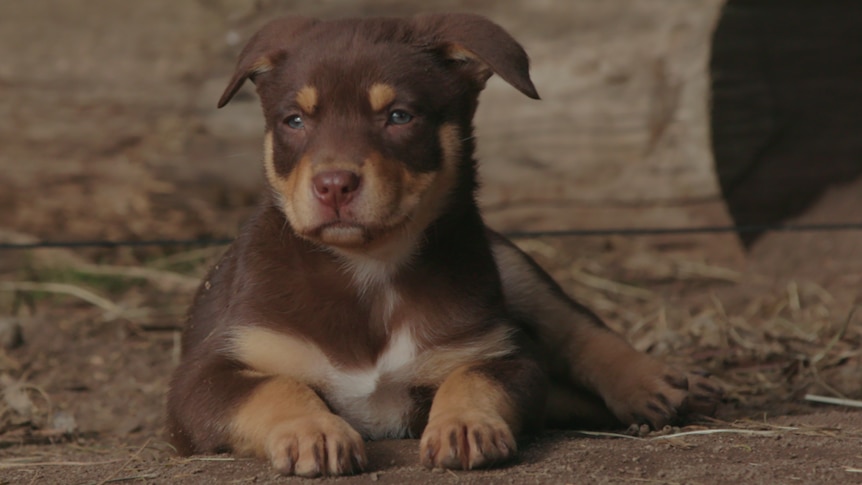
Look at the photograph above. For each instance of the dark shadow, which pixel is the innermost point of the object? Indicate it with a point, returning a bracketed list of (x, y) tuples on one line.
[(786, 105)]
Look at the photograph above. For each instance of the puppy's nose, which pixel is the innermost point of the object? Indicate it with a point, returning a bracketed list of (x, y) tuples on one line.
[(335, 189)]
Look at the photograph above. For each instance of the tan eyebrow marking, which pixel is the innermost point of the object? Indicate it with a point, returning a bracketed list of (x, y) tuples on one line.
[(380, 95), (306, 98), (262, 65)]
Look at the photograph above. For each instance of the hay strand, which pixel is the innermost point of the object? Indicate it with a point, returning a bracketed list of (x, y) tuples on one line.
[(111, 309), (853, 403)]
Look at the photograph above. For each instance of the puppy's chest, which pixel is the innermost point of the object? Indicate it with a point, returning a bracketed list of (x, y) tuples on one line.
[(377, 396), (376, 399)]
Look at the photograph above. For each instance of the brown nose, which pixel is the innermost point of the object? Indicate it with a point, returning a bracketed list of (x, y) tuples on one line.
[(335, 189)]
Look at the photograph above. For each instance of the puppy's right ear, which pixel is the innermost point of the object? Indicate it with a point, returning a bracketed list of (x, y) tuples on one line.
[(263, 51)]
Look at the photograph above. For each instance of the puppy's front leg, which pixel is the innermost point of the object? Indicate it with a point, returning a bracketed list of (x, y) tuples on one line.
[(287, 422), (479, 411)]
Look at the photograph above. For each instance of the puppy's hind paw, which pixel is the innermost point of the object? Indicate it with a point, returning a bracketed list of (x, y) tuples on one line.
[(704, 395), (657, 395)]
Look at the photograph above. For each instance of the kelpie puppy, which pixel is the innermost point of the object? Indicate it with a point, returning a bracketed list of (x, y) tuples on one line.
[(366, 299)]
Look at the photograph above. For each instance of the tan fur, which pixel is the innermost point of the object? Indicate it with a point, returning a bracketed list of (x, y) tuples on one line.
[(466, 390), (394, 201), (428, 199), (262, 65), (273, 353), (374, 397), (460, 53), (439, 363), (472, 423), (307, 100), (380, 96), (278, 354), (434, 197), (286, 422), (269, 160), (273, 402)]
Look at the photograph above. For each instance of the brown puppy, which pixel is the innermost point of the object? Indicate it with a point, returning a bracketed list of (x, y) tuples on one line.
[(366, 298)]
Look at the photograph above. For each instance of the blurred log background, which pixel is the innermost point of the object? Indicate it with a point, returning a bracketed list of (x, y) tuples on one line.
[(108, 124)]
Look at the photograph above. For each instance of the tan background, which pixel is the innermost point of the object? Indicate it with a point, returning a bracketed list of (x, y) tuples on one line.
[(109, 129)]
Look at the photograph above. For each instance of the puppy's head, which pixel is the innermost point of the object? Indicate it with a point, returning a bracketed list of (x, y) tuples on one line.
[(368, 122)]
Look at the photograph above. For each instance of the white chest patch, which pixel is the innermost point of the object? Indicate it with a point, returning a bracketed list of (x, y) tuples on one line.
[(376, 401)]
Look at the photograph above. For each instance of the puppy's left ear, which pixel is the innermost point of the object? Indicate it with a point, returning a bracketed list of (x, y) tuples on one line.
[(483, 46), (263, 50)]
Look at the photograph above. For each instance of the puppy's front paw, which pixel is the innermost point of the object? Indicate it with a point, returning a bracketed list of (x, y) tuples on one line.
[(314, 445), (657, 395), (466, 441)]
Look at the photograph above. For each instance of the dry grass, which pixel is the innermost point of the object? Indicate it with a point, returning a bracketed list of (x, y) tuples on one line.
[(769, 343)]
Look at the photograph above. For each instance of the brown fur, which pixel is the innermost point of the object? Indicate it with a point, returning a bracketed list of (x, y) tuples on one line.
[(390, 310)]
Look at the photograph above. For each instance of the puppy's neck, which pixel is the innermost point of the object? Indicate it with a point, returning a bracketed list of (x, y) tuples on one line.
[(376, 269)]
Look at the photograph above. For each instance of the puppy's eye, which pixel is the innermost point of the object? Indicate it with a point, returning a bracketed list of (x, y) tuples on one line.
[(294, 122), (400, 117)]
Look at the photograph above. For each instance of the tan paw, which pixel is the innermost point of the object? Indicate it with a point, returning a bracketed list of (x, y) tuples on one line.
[(466, 441), (657, 395), (314, 445)]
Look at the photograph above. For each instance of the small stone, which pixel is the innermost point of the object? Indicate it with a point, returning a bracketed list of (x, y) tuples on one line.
[(437, 470), (65, 422), (374, 477), (644, 431)]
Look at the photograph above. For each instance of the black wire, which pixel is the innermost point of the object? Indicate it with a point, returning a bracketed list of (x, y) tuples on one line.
[(621, 231), (658, 231), (115, 244)]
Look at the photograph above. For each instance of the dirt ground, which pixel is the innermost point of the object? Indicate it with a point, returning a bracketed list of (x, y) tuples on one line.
[(93, 148)]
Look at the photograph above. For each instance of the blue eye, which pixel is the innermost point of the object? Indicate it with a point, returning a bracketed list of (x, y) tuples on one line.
[(400, 117), (295, 122)]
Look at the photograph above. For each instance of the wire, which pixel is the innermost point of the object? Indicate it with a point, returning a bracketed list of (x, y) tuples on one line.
[(114, 244), (658, 231), (621, 231)]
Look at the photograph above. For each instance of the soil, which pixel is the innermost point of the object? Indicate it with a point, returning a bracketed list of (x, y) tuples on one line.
[(89, 337)]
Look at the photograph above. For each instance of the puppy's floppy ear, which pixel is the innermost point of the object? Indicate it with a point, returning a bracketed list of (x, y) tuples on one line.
[(263, 51), (483, 46)]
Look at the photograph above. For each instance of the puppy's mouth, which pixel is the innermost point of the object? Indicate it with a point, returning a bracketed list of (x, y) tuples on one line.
[(351, 235), (341, 233)]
